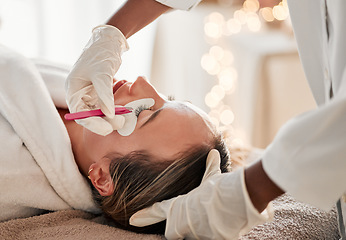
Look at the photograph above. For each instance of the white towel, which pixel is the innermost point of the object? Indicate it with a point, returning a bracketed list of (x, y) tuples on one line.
[(37, 167)]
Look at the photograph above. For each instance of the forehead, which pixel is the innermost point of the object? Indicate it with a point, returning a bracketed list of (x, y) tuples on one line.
[(178, 128), (203, 115)]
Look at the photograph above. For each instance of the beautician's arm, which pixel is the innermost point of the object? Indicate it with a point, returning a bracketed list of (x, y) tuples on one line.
[(259, 186), (135, 15)]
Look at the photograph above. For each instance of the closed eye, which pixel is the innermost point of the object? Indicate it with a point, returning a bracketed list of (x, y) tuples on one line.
[(152, 117)]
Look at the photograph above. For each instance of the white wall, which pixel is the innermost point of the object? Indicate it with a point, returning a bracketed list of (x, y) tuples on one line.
[(57, 30)]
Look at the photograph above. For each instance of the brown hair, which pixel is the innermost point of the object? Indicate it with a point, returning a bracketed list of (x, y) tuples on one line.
[(140, 181)]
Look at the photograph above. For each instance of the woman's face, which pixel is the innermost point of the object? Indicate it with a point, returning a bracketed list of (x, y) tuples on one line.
[(165, 130)]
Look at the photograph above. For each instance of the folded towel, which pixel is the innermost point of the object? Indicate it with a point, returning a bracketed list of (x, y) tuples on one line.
[(296, 220), (66, 224), (292, 220)]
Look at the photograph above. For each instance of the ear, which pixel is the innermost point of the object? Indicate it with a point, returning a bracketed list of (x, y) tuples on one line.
[(101, 178)]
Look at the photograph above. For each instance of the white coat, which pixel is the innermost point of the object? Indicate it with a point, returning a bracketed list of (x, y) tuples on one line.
[(308, 156)]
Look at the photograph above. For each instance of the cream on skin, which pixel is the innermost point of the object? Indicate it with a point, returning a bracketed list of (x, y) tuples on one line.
[(164, 130)]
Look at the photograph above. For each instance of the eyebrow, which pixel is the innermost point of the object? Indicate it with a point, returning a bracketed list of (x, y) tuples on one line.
[(152, 117)]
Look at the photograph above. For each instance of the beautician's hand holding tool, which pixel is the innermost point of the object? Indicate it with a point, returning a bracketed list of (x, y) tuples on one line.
[(90, 82), (219, 208)]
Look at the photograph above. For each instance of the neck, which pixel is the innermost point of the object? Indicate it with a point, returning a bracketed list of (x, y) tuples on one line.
[(75, 132)]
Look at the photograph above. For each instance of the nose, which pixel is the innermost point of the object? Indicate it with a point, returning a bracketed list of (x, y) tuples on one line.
[(140, 86)]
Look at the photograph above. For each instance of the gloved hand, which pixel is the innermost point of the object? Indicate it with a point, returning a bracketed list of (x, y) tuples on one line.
[(90, 83), (219, 208)]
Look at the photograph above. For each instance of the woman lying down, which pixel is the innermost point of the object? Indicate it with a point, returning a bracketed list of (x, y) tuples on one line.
[(164, 156), (49, 163)]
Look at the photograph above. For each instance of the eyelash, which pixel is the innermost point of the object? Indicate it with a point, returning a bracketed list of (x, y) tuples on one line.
[(140, 108), (171, 98)]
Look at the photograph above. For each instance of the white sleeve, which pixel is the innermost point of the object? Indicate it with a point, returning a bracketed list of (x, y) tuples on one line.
[(308, 156), (180, 4)]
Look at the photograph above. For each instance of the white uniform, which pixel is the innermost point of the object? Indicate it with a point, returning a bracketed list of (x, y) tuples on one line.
[(308, 156)]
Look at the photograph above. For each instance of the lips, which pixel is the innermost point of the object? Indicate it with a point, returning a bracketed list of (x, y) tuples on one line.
[(118, 85)]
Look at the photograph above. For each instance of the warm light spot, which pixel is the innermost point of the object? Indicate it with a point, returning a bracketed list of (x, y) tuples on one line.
[(211, 100), (254, 23), (267, 14), (218, 91), (227, 58), (215, 70), (280, 13), (216, 17), (217, 52), (240, 16), (227, 78), (284, 4), (213, 30), (233, 26), (227, 117), (210, 64), (251, 5)]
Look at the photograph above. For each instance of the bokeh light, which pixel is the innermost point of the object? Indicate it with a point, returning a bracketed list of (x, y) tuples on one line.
[(233, 26), (227, 77), (279, 12), (211, 100), (217, 52), (253, 22), (219, 91), (227, 117), (212, 30), (267, 14), (251, 5), (216, 17), (227, 58), (210, 64), (240, 16), (218, 61)]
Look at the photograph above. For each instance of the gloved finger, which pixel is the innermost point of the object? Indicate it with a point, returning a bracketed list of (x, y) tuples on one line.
[(96, 125), (82, 100), (104, 90), (212, 164), (151, 215), (117, 122)]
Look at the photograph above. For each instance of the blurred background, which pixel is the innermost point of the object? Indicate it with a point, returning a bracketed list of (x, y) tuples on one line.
[(235, 59)]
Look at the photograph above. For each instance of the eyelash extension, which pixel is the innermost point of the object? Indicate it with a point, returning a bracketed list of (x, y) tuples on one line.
[(171, 98), (140, 108)]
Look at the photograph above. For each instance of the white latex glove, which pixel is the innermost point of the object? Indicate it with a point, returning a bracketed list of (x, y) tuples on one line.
[(90, 83), (219, 208)]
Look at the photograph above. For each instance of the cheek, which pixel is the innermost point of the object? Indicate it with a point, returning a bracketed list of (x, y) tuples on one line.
[(96, 146)]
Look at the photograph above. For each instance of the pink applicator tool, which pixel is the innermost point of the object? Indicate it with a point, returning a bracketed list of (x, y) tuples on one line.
[(95, 113)]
